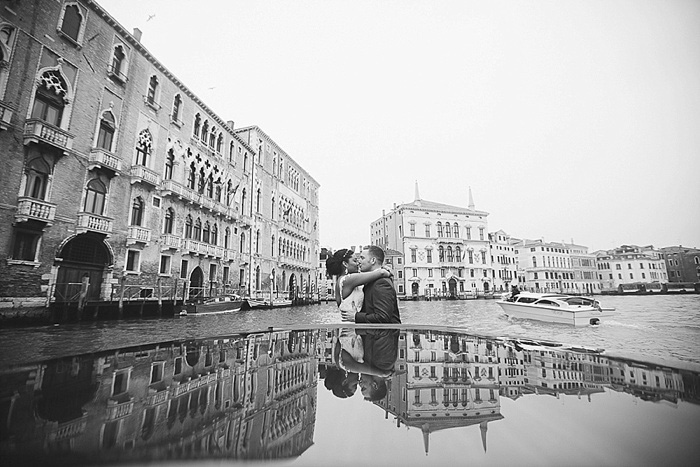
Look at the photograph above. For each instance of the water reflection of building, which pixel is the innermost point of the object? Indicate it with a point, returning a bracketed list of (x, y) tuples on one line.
[(247, 398), (444, 380)]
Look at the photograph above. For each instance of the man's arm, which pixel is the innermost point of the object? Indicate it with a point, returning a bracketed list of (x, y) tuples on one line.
[(383, 303)]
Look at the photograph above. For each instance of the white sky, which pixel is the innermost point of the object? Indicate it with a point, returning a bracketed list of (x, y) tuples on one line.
[(569, 119)]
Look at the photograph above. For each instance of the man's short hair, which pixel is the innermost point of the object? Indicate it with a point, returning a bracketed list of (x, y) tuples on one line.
[(376, 252)]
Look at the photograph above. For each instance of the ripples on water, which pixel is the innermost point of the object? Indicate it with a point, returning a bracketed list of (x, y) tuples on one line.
[(660, 327)]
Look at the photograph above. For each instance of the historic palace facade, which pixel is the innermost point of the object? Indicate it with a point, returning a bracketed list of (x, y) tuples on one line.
[(116, 175), (445, 248)]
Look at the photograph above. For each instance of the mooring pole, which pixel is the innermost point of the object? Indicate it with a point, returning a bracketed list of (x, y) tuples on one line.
[(122, 281)]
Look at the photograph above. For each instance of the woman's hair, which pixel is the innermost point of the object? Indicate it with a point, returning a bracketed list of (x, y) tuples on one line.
[(334, 264), (335, 382)]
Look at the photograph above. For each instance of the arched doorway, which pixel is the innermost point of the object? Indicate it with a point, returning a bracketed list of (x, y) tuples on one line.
[(292, 286), (414, 288), (487, 287), (453, 287), (83, 256), (196, 284)]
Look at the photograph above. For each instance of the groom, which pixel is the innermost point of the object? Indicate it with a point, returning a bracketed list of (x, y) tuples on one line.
[(380, 303)]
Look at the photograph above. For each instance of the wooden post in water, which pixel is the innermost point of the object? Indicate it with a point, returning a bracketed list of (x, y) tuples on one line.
[(82, 298), (122, 281), (160, 298)]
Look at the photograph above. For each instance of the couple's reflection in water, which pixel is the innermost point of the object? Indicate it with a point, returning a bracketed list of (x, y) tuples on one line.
[(255, 396), (364, 358)]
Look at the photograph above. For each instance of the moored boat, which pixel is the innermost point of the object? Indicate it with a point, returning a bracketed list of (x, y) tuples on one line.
[(555, 308), (226, 304)]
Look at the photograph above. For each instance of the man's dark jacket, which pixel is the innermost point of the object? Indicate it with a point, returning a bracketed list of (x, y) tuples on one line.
[(380, 304)]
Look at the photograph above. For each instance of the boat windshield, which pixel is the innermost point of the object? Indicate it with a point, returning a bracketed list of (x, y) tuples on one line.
[(546, 303)]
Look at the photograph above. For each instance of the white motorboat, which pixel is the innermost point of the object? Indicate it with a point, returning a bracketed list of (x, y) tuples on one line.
[(555, 308)]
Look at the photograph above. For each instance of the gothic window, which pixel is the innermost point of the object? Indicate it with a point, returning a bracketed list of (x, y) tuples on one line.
[(188, 227), (95, 197), (202, 181), (227, 238), (219, 143), (441, 254), (456, 230), (6, 38), (257, 200), (448, 229), (217, 191), (37, 179), (205, 131), (177, 105), (197, 123), (72, 21), (197, 232), (243, 195), (272, 209), (272, 246), (169, 221), (105, 134), (137, 211), (229, 192), (210, 186), (152, 90), (169, 164), (214, 235), (212, 138), (192, 177), (206, 232), (143, 147), (118, 67), (257, 241), (439, 229), (49, 100), (242, 245)]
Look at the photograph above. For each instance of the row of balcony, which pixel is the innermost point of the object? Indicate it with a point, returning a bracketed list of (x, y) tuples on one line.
[(293, 230)]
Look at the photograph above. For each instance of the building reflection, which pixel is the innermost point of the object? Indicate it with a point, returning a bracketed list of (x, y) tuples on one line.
[(254, 396)]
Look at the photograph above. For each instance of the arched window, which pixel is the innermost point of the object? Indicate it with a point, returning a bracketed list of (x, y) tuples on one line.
[(177, 103), (197, 233), (152, 94), (241, 248), (137, 211), (257, 278), (448, 229), (188, 226), (206, 232), (257, 200), (210, 186), (197, 123), (230, 151), (119, 64), (212, 138), (202, 181), (191, 177), (458, 254), (243, 195), (227, 238), (205, 131), (169, 164), (37, 179), (272, 208), (229, 192), (257, 241), (439, 229), (441, 254), (449, 253), (95, 197), (143, 147), (272, 246), (214, 236), (72, 22), (217, 190), (456, 230), (220, 143), (105, 134), (49, 100), (169, 220)]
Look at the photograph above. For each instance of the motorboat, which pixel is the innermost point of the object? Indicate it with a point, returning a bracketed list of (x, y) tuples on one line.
[(554, 308), (224, 304)]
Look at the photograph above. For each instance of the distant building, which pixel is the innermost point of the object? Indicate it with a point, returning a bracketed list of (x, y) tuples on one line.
[(584, 267), (555, 267), (682, 263), (503, 259), (631, 268), (445, 248)]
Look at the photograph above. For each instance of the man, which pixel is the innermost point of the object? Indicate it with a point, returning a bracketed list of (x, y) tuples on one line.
[(380, 302)]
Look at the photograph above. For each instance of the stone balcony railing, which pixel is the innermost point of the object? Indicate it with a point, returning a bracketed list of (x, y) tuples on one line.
[(117, 410), (170, 241), (40, 132), (35, 209), (293, 230), (138, 234), (293, 262), (215, 251), (71, 429), (170, 187), (102, 158), (193, 246), (229, 255), (139, 173), (88, 222), (5, 116), (156, 397)]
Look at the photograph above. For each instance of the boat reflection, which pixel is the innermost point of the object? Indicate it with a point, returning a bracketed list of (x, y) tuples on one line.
[(254, 396)]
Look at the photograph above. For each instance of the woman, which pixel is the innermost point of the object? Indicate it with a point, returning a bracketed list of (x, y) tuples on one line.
[(348, 281)]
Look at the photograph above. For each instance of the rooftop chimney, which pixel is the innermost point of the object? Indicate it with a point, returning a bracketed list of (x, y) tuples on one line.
[(230, 123), (137, 34)]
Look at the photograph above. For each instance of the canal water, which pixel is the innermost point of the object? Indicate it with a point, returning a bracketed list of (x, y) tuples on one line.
[(659, 328)]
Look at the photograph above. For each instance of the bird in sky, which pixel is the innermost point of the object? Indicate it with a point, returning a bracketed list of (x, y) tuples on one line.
[(150, 17)]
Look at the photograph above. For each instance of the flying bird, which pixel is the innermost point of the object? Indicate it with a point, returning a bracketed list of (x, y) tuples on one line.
[(150, 17)]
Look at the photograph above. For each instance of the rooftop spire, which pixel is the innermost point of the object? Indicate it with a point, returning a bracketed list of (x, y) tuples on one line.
[(417, 194), (426, 436), (483, 426), (471, 199)]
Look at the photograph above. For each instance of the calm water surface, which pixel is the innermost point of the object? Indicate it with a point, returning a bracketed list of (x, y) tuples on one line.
[(648, 327)]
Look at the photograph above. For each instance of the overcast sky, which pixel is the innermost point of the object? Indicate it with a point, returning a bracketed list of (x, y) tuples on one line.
[(569, 119)]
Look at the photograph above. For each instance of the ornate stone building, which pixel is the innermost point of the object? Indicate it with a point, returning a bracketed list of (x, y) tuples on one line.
[(632, 268), (445, 248), (118, 176)]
